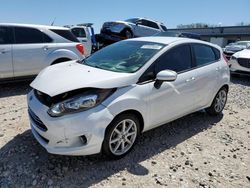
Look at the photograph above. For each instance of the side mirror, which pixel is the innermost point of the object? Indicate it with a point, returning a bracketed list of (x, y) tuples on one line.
[(165, 76), (139, 22)]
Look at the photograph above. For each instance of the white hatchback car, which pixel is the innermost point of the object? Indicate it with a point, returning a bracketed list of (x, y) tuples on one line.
[(26, 49), (104, 102)]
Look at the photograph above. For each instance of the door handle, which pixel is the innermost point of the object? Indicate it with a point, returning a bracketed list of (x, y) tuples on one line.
[(190, 79), (3, 51), (45, 48)]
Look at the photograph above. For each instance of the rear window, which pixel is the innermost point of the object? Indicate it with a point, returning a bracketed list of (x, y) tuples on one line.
[(65, 34), (79, 32)]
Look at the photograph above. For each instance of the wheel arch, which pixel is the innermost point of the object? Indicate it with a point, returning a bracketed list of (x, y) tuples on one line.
[(132, 112)]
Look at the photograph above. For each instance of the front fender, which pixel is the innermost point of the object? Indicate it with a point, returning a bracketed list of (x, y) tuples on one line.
[(128, 98), (61, 53)]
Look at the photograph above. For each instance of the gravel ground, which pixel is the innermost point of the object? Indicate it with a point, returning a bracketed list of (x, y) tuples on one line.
[(195, 151)]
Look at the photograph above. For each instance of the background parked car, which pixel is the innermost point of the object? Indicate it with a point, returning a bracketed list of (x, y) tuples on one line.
[(178, 34), (134, 27), (27, 49), (85, 34), (240, 62), (235, 47)]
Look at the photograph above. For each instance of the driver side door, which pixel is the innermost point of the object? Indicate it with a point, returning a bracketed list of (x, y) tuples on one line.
[(172, 99)]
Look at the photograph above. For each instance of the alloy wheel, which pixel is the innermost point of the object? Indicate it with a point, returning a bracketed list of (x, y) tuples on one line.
[(123, 137)]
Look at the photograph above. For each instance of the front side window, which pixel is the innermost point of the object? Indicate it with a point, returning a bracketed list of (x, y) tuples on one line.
[(6, 35), (203, 54), (177, 59), (79, 32), (25, 35), (132, 20), (125, 56)]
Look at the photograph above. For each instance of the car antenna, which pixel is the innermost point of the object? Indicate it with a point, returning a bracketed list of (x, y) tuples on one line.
[(53, 21)]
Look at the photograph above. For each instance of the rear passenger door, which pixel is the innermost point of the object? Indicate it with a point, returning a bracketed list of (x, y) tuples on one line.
[(30, 51), (206, 72), (6, 40)]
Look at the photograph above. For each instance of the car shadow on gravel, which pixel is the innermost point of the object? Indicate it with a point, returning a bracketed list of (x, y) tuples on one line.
[(240, 79), (14, 89), (24, 162)]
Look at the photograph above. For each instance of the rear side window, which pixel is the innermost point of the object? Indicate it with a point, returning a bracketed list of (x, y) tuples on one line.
[(6, 35), (79, 32), (65, 34), (204, 54), (177, 59)]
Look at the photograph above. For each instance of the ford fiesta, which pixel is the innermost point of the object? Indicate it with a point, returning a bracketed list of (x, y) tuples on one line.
[(103, 103)]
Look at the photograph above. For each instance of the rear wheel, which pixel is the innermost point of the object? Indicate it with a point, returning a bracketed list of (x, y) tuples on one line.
[(219, 102), (60, 60), (121, 136), (128, 34)]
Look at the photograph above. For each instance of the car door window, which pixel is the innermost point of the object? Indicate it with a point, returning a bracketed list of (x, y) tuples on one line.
[(144, 22), (152, 25), (204, 54), (25, 35), (6, 35), (178, 59)]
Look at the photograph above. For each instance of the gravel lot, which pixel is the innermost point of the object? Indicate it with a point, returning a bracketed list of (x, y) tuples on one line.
[(195, 151)]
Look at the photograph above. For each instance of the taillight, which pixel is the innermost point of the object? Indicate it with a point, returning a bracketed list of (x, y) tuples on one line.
[(80, 48), (225, 58)]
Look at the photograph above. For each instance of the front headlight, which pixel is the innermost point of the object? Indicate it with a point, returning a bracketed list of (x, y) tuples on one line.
[(233, 58), (78, 103)]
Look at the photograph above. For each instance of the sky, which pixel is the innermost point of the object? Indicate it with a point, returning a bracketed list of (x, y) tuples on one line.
[(170, 12)]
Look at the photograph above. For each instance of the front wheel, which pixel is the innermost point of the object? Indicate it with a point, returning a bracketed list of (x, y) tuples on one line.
[(219, 102), (121, 136)]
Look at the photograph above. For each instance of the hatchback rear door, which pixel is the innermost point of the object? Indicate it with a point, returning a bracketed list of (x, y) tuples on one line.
[(6, 40)]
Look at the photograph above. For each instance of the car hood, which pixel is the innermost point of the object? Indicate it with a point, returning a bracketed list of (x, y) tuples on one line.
[(243, 54), (64, 77), (235, 48)]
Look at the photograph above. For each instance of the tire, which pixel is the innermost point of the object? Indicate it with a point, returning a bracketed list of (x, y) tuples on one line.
[(218, 103), (60, 60), (116, 144), (128, 34)]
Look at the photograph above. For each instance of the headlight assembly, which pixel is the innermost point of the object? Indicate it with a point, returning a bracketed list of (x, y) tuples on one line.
[(79, 103)]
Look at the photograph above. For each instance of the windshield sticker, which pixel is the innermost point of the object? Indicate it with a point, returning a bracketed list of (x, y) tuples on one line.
[(152, 47)]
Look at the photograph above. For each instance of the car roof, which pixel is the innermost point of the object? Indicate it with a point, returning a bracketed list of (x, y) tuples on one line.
[(33, 26)]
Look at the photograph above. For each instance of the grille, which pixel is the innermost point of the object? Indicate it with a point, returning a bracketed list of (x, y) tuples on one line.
[(37, 120), (244, 62)]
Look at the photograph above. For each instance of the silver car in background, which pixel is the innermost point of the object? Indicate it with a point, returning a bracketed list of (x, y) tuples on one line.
[(26, 49)]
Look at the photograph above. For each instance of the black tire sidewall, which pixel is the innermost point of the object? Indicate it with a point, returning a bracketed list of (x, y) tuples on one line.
[(211, 110)]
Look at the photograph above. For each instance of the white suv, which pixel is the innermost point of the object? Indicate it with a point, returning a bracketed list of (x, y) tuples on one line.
[(27, 49), (104, 102)]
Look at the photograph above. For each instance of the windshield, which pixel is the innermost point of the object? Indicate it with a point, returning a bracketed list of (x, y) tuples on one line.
[(132, 20), (243, 43), (167, 34), (125, 56)]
